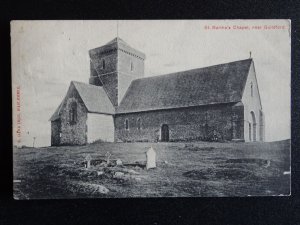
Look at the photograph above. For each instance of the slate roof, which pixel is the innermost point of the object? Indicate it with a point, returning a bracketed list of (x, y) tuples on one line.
[(94, 98), (222, 83)]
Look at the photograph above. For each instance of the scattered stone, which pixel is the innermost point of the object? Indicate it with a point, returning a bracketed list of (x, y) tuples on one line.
[(168, 163), (17, 181), (99, 173), (138, 179), (103, 164), (119, 162), (102, 189), (89, 187), (286, 172), (151, 158), (119, 175), (127, 177), (132, 171), (125, 170)]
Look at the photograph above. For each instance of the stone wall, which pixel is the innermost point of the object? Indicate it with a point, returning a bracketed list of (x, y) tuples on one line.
[(110, 85), (55, 132), (73, 133), (129, 69), (121, 67), (193, 123), (110, 57)]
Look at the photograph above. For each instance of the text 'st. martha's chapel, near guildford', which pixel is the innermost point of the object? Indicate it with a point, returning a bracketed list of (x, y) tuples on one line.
[(120, 105)]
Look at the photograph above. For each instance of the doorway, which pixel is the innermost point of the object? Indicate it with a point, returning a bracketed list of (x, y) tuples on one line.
[(165, 133)]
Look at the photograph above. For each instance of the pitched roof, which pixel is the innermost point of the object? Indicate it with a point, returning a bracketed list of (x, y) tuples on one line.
[(222, 83), (94, 98), (117, 40)]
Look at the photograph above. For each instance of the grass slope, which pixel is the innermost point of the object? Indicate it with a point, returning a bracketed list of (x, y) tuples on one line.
[(183, 170)]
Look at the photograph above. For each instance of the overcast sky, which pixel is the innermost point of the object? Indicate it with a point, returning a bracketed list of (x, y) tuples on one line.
[(47, 55)]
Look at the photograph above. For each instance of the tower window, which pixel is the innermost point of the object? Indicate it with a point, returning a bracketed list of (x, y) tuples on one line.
[(126, 124), (251, 89), (73, 113), (131, 66), (103, 64)]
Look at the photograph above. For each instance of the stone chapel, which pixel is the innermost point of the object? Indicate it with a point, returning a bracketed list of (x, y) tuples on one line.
[(119, 104)]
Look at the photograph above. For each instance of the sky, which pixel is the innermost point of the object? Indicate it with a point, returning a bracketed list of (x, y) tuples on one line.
[(48, 55)]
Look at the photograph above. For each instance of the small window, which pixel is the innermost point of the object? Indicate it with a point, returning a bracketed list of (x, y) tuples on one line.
[(126, 124), (251, 89), (206, 116), (73, 113), (139, 123), (131, 66), (103, 64)]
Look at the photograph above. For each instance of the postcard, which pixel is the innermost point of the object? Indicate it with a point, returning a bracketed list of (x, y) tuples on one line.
[(151, 108)]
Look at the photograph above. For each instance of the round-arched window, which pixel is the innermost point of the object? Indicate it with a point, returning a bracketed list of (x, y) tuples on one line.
[(73, 112)]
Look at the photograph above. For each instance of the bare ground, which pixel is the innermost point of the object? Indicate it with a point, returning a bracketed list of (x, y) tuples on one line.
[(183, 170)]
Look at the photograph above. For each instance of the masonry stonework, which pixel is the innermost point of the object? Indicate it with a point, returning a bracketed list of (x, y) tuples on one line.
[(73, 133), (110, 84), (114, 66), (195, 123), (130, 67)]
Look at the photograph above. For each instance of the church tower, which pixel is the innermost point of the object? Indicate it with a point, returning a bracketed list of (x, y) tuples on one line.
[(114, 66)]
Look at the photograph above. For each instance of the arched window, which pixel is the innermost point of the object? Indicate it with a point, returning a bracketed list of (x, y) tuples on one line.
[(103, 64), (250, 131), (131, 66), (165, 133), (73, 112), (253, 123), (126, 124), (139, 123), (206, 116), (251, 89)]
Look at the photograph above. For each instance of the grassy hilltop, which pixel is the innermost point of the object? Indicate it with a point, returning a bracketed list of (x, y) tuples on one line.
[(183, 170)]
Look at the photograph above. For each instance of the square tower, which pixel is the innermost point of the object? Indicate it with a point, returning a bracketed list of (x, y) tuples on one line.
[(114, 66)]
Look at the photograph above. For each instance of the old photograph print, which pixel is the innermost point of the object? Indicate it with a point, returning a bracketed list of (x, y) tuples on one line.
[(181, 108)]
